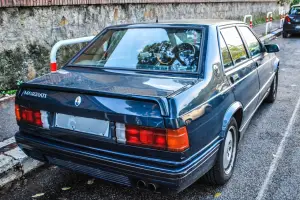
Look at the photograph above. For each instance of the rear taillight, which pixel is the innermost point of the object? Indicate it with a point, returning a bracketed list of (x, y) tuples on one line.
[(287, 19), (146, 136), (31, 116), (164, 139), (17, 112)]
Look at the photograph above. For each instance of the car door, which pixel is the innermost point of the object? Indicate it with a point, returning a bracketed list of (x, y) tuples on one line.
[(261, 59), (242, 72)]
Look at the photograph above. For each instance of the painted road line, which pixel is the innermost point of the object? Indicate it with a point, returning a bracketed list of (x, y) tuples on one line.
[(278, 154)]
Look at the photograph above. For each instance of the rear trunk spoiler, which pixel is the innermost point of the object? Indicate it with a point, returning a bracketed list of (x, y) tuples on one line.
[(161, 101)]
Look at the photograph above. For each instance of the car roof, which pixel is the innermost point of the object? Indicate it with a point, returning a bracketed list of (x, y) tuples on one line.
[(207, 22), (217, 22), (298, 5)]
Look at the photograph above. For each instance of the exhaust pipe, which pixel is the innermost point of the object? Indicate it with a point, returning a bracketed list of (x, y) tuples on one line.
[(141, 184), (152, 187)]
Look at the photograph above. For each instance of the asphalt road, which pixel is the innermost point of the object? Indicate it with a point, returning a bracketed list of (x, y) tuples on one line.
[(267, 165)]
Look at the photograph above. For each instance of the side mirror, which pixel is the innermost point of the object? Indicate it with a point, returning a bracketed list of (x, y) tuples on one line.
[(272, 48)]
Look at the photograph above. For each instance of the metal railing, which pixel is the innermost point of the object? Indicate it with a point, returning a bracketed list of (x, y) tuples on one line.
[(282, 16), (251, 18), (269, 20), (55, 48)]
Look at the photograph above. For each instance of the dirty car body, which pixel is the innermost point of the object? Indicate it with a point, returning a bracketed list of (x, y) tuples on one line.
[(153, 114)]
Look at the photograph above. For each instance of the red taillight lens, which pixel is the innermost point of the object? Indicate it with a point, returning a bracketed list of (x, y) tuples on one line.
[(288, 19), (172, 140), (144, 136), (37, 118), (132, 135), (28, 115)]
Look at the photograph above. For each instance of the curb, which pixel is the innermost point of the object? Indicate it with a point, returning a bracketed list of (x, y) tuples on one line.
[(271, 36), (3, 99), (14, 163)]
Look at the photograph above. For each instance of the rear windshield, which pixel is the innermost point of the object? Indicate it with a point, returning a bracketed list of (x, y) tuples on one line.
[(295, 11), (161, 49)]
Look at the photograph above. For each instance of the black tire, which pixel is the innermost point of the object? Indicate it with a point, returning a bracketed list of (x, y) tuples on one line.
[(218, 175), (273, 90), (284, 34)]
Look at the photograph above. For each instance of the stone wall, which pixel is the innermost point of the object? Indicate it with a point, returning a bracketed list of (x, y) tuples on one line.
[(28, 33)]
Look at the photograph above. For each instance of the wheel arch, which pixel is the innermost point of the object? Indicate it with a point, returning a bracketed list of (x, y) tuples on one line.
[(276, 64), (235, 110)]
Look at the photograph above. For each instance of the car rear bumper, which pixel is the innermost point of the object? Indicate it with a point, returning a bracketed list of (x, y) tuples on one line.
[(71, 157), (291, 28)]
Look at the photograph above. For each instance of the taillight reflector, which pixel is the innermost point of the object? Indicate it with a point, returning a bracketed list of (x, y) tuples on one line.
[(177, 139), (17, 112), (288, 19), (165, 139)]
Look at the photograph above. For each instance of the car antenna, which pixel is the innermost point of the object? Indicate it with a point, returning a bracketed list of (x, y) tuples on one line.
[(156, 19)]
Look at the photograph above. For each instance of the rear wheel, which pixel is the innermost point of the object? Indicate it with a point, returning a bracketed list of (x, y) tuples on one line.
[(284, 34), (273, 90), (223, 168)]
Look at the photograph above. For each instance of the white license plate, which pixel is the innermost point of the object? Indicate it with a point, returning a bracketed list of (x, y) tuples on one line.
[(297, 27), (82, 124)]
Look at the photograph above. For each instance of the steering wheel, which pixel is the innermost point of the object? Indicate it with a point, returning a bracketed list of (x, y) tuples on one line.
[(183, 52), (165, 56)]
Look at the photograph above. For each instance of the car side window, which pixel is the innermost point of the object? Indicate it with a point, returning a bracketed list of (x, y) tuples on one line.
[(227, 61), (252, 43), (235, 44)]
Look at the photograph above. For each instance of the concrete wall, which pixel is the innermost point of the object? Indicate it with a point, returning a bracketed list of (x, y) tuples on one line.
[(28, 33)]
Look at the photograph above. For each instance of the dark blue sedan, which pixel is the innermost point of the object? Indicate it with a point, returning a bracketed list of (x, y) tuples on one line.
[(153, 106), (291, 23)]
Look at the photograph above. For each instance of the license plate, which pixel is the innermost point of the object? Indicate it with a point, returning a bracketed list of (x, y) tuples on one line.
[(82, 124), (297, 27)]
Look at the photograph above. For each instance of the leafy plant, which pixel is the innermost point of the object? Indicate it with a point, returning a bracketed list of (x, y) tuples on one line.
[(9, 92), (295, 2)]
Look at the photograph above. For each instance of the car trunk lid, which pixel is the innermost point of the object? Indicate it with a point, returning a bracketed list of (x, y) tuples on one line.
[(110, 97)]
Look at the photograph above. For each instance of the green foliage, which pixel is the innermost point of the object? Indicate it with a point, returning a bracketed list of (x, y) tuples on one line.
[(295, 2), (9, 92)]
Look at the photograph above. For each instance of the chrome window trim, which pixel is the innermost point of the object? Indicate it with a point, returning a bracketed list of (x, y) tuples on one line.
[(244, 64), (246, 50), (244, 125), (222, 92), (251, 73), (256, 36), (259, 92), (246, 44)]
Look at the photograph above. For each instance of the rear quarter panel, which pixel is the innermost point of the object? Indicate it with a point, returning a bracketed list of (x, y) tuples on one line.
[(203, 106)]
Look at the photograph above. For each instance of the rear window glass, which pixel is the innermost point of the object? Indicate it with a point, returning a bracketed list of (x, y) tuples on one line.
[(161, 49), (295, 11)]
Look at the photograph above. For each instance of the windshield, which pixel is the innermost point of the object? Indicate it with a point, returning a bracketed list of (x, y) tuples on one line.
[(162, 49), (295, 11)]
